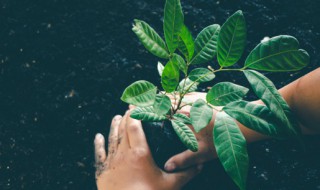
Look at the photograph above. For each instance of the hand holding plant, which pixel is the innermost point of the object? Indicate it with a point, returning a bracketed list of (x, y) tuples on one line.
[(275, 119)]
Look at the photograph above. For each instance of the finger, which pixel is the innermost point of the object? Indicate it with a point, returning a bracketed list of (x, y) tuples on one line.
[(123, 136), (179, 179), (135, 133), (100, 154), (113, 135)]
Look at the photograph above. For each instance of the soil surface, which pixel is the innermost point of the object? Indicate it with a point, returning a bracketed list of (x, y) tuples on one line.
[(65, 63)]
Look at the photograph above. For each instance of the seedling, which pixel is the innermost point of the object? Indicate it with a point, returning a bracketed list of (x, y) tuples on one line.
[(223, 46)]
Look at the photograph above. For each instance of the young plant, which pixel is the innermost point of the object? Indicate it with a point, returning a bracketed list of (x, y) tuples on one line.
[(275, 119)]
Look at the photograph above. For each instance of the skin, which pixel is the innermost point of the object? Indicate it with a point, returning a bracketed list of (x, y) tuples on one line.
[(302, 96), (129, 164)]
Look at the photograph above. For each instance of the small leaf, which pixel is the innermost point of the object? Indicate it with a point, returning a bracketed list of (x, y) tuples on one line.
[(140, 93), (200, 114), (231, 148), (279, 53), (178, 60), (206, 44), (268, 93), (225, 92), (186, 135), (256, 117), (160, 68), (186, 43), (201, 75), (173, 23), (170, 77), (183, 118), (150, 39), (185, 83), (146, 114), (162, 104), (232, 40)]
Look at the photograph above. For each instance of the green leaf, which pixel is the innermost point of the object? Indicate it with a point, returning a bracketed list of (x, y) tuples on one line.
[(146, 114), (140, 93), (162, 104), (200, 114), (185, 134), (225, 92), (173, 23), (150, 39), (231, 148), (256, 117), (206, 44), (186, 43), (201, 75), (185, 83), (170, 77), (268, 93), (232, 40), (279, 53), (183, 118), (178, 60), (160, 68)]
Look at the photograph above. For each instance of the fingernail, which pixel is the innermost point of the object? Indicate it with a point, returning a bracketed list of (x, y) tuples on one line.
[(170, 166), (117, 117)]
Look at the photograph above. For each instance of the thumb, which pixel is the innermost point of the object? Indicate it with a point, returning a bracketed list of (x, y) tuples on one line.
[(180, 178)]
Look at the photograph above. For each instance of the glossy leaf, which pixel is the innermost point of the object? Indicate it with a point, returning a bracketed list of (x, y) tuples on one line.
[(255, 116), (268, 93), (185, 134), (225, 92), (200, 114), (201, 75), (185, 83), (170, 77), (162, 104), (186, 43), (279, 53), (206, 44), (160, 68), (183, 118), (232, 39), (178, 60), (146, 114), (150, 39), (140, 93), (231, 148), (173, 23)]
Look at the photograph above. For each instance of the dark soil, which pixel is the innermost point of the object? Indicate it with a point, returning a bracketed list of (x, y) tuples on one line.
[(65, 63)]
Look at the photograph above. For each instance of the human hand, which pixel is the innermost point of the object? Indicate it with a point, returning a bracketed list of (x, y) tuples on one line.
[(206, 150), (129, 164)]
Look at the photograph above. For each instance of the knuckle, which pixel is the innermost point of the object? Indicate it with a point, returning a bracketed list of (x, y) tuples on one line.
[(139, 153), (133, 128)]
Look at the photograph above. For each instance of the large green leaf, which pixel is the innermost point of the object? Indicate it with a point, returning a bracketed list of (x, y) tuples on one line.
[(146, 114), (232, 40), (201, 75), (206, 44), (200, 115), (279, 53), (170, 77), (150, 39), (185, 83), (186, 43), (140, 93), (268, 93), (173, 23), (160, 68), (255, 116), (225, 92), (231, 148), (183, 118), (178, 60), (162, 104), (185, 134)]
